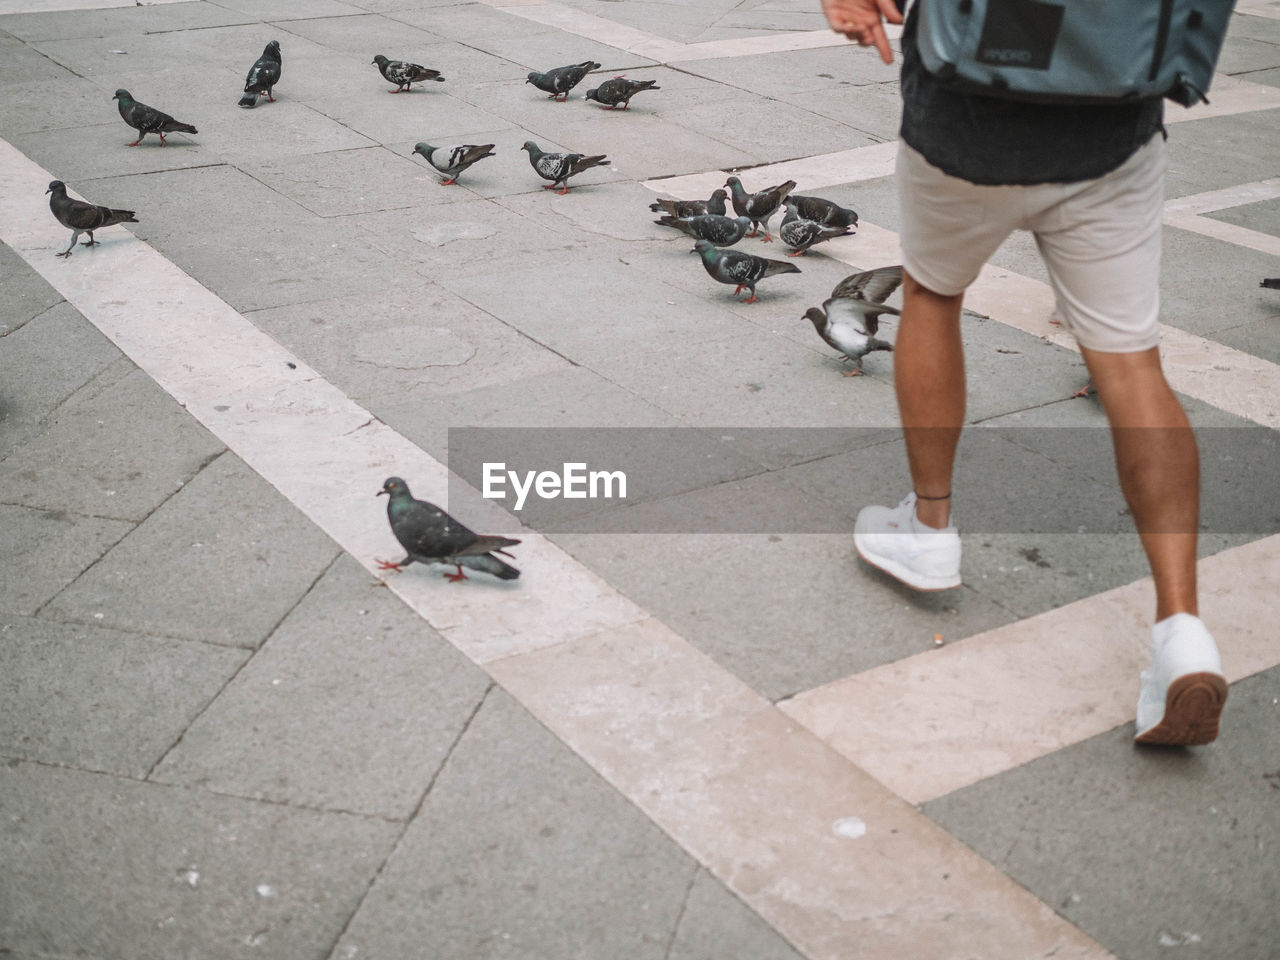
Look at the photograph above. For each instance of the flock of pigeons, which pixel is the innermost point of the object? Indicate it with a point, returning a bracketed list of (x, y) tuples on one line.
[(847, 321)]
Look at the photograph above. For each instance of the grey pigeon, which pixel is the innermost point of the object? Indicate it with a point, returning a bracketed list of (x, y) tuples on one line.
[(559, 81), (722, 231), (692, 208), (758, 206), (429, 535), (744, 269), (850, 319), (824, 211), (801, 234), (404, 74), (619, 90), (1271, 283), (80, 217), (451, 161), (147, 119), (559, 167), (263, 75)]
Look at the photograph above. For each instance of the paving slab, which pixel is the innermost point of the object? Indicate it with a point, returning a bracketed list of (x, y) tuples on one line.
[(159, 18), (70, 103), (291, 256), (108, 867), (189, 573), (1263, 216), (24, 293), (795, 72), (45, 363), (1252, 140), (521, 851), (22, 64), (111, 450), (1154, 853), (411, 341), (1210, 302), (544, 50), (352, 704), (103, 700), (715, 923), (48, 549)]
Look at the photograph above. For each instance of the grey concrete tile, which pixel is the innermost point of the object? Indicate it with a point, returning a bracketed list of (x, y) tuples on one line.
[(1242, 55), (715, 923), (784, 20), (1146, 850), (1207, 286), (290, 254), (412, 341), (873, 110), (364, 36), (521, 851), (469, 22), (1261, 338), (80, 156), (112, 450), (349, 181), (58, 104), (188, 572), (576, 397), (46, 550), (421, 115), (1008, 370), (682, 22), (1269, 77), (21, 64), (776, 131), (1196, 152), (1263, 216), (106, 867), (283, 133), (352, 704), (795, 71), (761, 604), (160, 18), (98, 699), (24, 293), (542, 51), (291, 9), (44, 363)]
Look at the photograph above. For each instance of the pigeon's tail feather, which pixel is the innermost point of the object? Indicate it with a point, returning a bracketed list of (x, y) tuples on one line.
[(485, 544), (119, 216), (670, 221), (586, 163), (488, 563), (250, 99), (177, 127), (1272, 283), (776, 267), (875, 344)]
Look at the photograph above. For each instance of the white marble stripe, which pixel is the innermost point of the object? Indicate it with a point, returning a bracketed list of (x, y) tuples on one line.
[(1234, 196), (1227, 96), (58, 6), (1227, 232), (1259, 8), (747, 792)]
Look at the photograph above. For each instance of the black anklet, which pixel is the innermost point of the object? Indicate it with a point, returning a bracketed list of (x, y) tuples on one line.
[(946, 497)]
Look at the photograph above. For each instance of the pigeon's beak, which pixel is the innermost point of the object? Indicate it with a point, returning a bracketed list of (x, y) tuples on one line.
[(381, 492)]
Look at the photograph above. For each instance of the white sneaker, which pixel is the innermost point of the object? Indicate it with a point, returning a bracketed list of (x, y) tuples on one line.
[(892, 539), (1183, 690)]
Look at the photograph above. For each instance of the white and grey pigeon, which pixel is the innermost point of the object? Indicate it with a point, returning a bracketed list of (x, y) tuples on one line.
[(824, 211), (800, 233), (452, 160), (263, 76), (559, 167), (743, 269), (692, 208), (147, 119), (758, 206), (850, 319), (429, 535), (404, 74), (722, 231), (559, 81), (80, 217), (619, 90)]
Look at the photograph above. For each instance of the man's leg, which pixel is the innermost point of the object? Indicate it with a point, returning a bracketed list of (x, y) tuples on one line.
[(1159, 468), (928, 374)]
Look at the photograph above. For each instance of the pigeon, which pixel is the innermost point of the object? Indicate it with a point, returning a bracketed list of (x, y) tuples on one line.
[(721, 231), (403, 74), (80, 217), (824, 211), (146, 119), (432, 536), (451, 161), (744, 269), (801, 234), (758, 206), (561, 80), (619, 90), (1271, 283), (850, 318), (263, 75), (692, 208), (559, 167)]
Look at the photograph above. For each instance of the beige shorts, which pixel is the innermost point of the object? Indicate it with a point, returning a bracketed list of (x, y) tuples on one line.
[(1100, 240)]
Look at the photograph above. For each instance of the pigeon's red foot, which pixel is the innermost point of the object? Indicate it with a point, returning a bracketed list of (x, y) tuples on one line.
[(739, 288), (270, 98), (135, 143), (751, 299), (563, 190), (445, 183), (387, 565), (752, 233), (548, 186), (851, 373), (767, 238), (796, 253), (456, 577), (1084, 391), (162, 139), (64, 253)]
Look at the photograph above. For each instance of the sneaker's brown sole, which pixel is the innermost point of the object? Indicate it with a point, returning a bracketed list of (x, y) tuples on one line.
[(1191, 711)]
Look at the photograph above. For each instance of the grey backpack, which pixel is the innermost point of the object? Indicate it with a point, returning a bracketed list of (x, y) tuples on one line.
[(1075, 51)]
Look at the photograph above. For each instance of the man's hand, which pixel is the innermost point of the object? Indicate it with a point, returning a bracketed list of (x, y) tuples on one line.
[(863, 22)]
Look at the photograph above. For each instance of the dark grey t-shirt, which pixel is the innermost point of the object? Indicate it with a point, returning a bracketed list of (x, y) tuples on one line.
[(990, 141)]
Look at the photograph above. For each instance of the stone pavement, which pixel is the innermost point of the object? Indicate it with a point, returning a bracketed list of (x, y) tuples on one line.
[(227, 734)]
